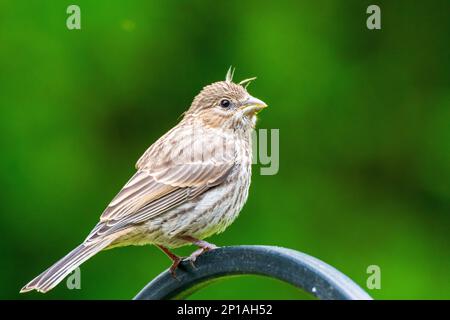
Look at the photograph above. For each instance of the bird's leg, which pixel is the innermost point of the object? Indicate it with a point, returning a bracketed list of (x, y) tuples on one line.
[(200, 243), (203, 247), (175, 259)]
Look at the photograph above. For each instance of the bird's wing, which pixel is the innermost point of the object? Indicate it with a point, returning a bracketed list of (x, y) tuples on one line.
[(175, 169)]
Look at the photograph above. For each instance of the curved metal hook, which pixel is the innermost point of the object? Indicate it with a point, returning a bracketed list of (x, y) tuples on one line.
[(299, 269)]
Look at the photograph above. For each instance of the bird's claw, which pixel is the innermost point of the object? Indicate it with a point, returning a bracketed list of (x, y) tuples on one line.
[(197, 253), (193, 257)]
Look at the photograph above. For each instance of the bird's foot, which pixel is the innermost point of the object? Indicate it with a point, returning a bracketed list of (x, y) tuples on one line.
[(194, 255), (203, 247), (206, 246)]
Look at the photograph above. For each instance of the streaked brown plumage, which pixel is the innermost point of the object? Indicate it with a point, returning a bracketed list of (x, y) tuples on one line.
[(189, 185)]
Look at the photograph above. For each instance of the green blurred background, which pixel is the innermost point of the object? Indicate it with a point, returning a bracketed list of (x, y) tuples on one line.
[(364, 120)]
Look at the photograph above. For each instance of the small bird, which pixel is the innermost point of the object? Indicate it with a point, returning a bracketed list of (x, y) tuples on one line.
[(190, 184)]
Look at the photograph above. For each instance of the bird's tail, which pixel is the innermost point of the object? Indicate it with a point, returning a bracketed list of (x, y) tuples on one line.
[(57, 272)]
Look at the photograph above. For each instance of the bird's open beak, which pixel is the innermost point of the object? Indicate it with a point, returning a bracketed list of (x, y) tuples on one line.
[(253, 105)]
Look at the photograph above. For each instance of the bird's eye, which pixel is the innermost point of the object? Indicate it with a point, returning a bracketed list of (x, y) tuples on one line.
[(225, 103)]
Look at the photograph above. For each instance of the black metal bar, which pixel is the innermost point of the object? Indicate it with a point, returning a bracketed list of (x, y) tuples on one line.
[(299, 269)]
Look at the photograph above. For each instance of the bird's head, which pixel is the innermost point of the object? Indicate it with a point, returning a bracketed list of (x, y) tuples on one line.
[(226, 104)]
